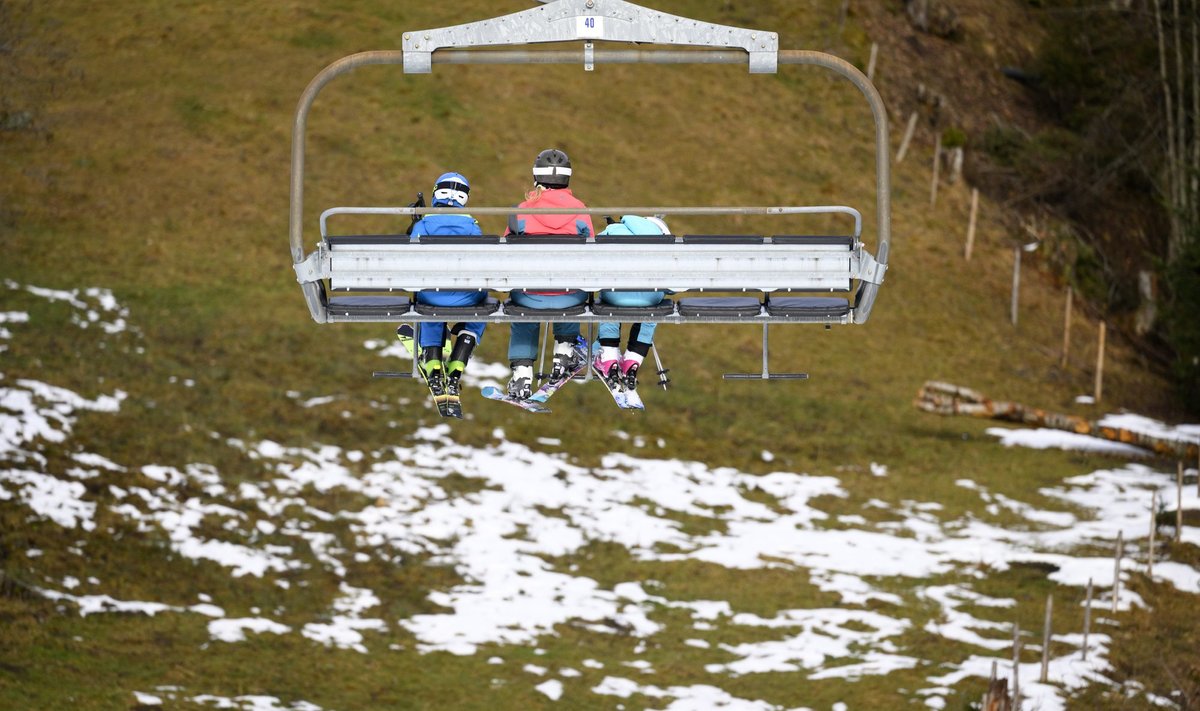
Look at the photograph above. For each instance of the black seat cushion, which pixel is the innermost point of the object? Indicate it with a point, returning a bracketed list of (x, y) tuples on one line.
[(369, 305), (366, 240), (720, 306), (545, 239), (635, 239), (817, 307), (459, 239), (815, 240), (723, 239)]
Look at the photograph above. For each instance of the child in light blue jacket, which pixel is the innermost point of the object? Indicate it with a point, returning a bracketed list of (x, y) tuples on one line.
[(609, 363)]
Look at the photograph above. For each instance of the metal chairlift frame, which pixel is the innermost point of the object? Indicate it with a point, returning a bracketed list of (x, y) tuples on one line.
[(397, 264)]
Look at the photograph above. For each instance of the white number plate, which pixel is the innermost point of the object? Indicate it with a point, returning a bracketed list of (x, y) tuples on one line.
[(590, 27)]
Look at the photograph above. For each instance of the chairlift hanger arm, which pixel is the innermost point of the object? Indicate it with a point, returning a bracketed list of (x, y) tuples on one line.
[(713, 51)]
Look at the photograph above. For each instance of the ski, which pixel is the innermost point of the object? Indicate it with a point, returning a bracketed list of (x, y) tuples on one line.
[(552, 386), (448, 404), (617, 389), (494, 393), (407, 338), (613, 386)]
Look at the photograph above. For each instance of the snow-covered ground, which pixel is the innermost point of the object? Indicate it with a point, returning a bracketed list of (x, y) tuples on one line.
[(534, 505)]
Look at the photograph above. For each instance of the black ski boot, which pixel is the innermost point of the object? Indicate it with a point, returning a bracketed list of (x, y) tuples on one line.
[(459, 357)]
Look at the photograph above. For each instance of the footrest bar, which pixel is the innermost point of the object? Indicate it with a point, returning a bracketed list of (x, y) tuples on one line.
[(765, 376), (390, 374)]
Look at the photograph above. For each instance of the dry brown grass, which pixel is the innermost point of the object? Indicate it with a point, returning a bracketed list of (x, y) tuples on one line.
[(164, 175)]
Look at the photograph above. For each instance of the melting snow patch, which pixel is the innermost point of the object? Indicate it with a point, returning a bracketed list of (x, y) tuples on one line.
[(91, 306), (234, 630), (827, 634), (243, 703), (92, 604), (1057, 439), (552, 689), (343, 630), (60, 501), (688, 698)]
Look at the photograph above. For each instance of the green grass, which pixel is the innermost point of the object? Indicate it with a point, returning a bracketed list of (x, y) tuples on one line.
[(165, 179)]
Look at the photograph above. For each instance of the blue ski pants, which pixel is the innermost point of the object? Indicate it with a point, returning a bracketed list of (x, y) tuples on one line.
[(645, 333), (523, 337), (434, 334)]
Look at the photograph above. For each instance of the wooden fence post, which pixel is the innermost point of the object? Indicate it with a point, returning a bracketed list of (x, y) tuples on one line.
[(1046, 638), (1067, 326), (1016, 282), (937, 169), (1153, 529), (1016, 692), (1117, 570), (1179, 502), (971, 223), (908, 134), (871, 61), (1099, 391), (1087, 620)]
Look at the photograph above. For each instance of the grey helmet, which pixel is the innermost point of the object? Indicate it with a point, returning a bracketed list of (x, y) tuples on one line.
[(552, 168)]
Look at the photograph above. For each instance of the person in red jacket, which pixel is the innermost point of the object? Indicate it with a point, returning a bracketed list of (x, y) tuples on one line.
[(551, 176)]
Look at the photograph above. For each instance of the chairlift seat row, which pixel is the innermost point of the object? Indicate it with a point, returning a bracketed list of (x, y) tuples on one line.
[(398, 263), (735, 309), (373, 277)]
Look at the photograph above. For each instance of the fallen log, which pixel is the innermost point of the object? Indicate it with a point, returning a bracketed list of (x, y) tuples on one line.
[(946, 399)]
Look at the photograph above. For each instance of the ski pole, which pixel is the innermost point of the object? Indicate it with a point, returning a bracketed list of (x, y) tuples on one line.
[(416, 218), (662, 372)]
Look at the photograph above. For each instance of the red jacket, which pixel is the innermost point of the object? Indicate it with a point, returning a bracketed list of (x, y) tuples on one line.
[(553, 224)]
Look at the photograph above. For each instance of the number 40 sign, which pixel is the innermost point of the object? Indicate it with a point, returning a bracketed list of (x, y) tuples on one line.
[(589, 26)]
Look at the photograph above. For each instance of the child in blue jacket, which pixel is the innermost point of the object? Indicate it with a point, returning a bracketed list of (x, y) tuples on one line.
[(451, 190)]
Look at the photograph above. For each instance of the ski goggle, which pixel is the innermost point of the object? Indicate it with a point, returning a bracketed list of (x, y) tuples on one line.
[(451, 191)]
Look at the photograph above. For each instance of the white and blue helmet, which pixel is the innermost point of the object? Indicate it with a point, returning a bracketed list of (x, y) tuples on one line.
[(451, 190)]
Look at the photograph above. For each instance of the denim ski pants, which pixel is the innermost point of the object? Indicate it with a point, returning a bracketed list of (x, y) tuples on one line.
[(434, 334), (645, 332), (523, 337)]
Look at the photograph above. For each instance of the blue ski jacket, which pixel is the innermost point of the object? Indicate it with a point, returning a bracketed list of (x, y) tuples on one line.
[(632, 225), (446, 225)]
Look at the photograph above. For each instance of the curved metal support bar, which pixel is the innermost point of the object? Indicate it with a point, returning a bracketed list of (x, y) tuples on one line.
[(865, 300), (798, 210), (300, 129)]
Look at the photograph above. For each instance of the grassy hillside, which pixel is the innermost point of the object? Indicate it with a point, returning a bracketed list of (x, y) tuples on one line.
[(156, 166)]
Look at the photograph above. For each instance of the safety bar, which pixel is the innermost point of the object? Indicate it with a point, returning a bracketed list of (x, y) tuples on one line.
[(614, 211)]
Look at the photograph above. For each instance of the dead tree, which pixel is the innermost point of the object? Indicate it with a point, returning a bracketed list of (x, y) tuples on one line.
[(997, 698)]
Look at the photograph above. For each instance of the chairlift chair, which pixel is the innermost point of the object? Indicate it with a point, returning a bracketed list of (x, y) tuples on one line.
[(373, 278)]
